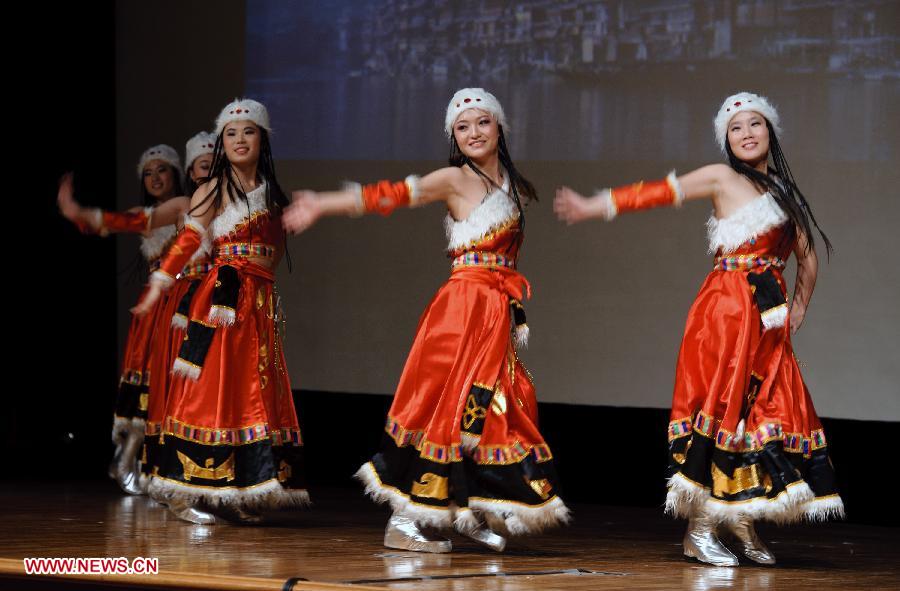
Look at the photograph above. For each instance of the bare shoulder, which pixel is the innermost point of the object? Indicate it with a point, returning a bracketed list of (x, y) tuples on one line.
[(449, 175), (442, 184), (718, 172)]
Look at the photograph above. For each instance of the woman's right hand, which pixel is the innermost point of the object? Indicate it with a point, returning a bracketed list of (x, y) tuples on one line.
[(304, 210), (71, 209), (573, 207), (65, 198)]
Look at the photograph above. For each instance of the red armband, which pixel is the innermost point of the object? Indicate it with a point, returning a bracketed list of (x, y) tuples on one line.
[(385, 196), (179, 254), (133, 222), (646, 195)]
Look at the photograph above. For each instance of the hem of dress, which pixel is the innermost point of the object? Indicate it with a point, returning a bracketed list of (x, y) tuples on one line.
[(266, 495), (797, 502), (517, 518)]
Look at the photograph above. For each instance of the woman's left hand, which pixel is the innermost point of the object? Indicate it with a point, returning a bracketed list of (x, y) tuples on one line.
[(154, 292), (796, 316)]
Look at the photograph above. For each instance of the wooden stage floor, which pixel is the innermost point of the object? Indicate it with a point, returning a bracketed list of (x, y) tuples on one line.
[(337, 545)]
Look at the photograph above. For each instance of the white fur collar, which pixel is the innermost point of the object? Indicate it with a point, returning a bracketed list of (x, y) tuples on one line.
[(747, 222), (496, 209), (153, 244), (236, 213)]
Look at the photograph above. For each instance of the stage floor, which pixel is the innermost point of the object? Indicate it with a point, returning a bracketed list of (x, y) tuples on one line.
[(337, 545)]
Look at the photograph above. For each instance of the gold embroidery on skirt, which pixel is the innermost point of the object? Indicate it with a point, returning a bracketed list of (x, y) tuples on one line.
[(498, 403), (473, 412), (193, 470), (431, 486), (542, 487), (744, 478)]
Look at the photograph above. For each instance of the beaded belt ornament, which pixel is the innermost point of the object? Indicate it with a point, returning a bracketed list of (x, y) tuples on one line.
[(482, 259), (245, 249), (746, 262)]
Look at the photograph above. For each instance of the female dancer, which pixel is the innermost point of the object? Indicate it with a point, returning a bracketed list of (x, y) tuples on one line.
[(230, 442), (461, 443), (744, 440), (159, 170), (173, 319)]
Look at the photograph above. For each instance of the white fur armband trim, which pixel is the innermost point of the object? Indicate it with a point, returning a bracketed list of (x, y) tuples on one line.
[(610, 210), (356, 189), (96, 219), (161, 279), (412, 183), (676, 188), (194, 224)]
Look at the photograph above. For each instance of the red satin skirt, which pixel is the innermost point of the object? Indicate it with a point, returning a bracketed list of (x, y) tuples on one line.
[(231, 436), (744, 437), (132, 397), (462, 431), (168, 340)]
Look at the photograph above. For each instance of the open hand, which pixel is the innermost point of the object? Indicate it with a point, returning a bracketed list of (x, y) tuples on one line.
[(154, 292), (302, 213), (572, 207)]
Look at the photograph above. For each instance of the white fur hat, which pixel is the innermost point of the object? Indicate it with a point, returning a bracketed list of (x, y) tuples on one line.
[(743, 101), (202, 143), (243, 110), (161, 152), (473, 98)]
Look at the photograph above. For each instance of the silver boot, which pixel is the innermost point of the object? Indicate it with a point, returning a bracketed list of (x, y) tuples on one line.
[(403, 533), (128, 471), (700, 542), (485, 536), (752, 547), (188, 511)]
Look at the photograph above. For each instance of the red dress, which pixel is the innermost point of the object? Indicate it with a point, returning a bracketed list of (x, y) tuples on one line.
[(462, 431), (744, 437), (169, 334), (230, 433), (134, 384)]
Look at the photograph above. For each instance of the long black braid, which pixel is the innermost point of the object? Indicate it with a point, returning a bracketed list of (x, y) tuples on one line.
[(780, 184)]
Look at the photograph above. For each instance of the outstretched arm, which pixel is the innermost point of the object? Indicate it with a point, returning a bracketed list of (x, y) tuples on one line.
[(702, 183), (381, 197), (137, 220)]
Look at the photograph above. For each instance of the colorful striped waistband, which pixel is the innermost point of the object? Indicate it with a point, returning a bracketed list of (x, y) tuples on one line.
[(746, 262), (245, 249), (196, 270), (482, 259)]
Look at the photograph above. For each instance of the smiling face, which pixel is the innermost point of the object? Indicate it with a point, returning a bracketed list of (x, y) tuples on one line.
[(241, 140), (200, 167), (159, 179), (477, 133), (748, 137)]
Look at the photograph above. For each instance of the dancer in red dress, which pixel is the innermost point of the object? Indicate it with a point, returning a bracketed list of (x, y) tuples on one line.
[(462, 448), (744, 439), (173, 318), (229, 443), (159, 170)]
